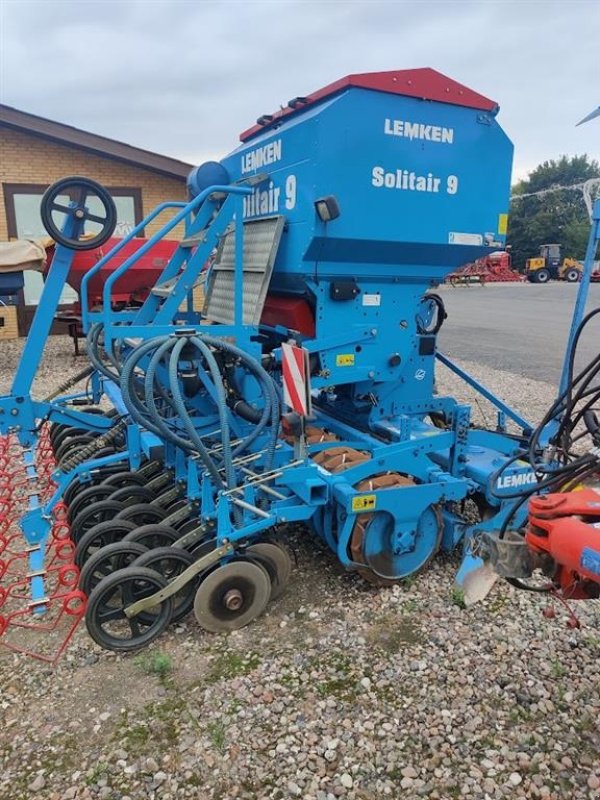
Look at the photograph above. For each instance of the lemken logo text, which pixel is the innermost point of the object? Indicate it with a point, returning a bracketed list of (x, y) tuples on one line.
[(417, 130), (516, 480), (261, 157)]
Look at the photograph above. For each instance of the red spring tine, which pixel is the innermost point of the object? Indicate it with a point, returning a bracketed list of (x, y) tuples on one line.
[(3, 596), (3, 624), (68, 576), (64, 549), (3, 567), (75, 603), (61, 531), (60, 511)]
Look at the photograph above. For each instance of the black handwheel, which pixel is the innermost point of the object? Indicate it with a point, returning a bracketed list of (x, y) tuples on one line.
[(105, 617), (55, 213)]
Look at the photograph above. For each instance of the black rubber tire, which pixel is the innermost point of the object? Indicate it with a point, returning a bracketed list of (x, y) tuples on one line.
[(572, 275), (153, 536), (92, 515), (135, 581), (70, 445), (127, 478), (132, 494), (85, 498), (542, 276), (66, 434), (171, 562), (101, 535), (107, 560), (142, 513)]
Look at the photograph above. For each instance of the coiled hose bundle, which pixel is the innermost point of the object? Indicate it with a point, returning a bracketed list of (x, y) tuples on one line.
[(152, 392)]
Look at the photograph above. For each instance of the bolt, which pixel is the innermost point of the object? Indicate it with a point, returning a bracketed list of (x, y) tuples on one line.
[(233, 600)]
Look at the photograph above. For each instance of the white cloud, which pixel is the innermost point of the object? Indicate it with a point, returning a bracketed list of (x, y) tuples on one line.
[(184, 78)]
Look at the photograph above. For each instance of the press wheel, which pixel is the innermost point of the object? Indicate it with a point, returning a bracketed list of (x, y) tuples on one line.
[(142, 513), (105, 617), (101, 535), (153, 535), (231, 596), (171, 562), (278, 564), (107, 560)]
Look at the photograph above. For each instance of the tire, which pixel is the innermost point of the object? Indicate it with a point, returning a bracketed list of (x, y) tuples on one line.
[(85, 498), (153, 536), (107, 560), (127, 478), (171, 562), (101, 535), (542, 276), (92, 515), (132, 494), (148, 582), (572, 276), (142, 513)]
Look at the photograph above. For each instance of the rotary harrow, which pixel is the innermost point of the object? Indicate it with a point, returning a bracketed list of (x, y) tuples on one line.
[(302, 391)]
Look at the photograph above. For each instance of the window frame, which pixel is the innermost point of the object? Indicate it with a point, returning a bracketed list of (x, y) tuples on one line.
[(12, 189)]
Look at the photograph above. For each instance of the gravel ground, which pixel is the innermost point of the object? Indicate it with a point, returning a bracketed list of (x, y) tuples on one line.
[(339, 690)]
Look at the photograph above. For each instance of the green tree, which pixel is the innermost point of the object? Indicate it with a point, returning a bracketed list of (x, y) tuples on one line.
[(557, 216)]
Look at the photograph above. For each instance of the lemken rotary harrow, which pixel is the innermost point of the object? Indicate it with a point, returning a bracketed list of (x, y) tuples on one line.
[(303, 391)]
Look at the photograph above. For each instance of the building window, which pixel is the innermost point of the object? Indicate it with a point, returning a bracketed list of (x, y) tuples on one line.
[(22, 203)]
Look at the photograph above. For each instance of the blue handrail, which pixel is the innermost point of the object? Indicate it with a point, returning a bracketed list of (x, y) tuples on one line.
[(113, 252), (191, 206)]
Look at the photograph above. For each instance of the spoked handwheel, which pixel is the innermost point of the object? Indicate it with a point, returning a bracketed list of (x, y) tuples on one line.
[(87, 202), (231, 596), (276, 561), (106, 621)]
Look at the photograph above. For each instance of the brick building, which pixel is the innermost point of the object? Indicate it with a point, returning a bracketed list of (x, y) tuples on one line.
[(35, 152)]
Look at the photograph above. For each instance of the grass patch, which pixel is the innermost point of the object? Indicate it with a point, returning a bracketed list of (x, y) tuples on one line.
[(159, 664), (457, 596), (216, 732), (228, 664)]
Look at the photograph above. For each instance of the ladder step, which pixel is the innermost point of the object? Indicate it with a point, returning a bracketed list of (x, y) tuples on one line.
[(164, 289), (193, 241)]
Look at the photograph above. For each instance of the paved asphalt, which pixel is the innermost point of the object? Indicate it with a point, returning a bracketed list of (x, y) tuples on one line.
[(519, 328)]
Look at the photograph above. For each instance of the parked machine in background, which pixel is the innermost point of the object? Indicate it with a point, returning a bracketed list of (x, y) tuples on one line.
[(548, 266)]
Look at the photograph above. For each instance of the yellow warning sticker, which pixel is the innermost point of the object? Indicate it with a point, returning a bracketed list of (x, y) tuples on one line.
[(502, 223), (344, 360), (364, 502)]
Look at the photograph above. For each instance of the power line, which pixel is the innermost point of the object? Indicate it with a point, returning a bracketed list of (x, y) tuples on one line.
[(585, 187)]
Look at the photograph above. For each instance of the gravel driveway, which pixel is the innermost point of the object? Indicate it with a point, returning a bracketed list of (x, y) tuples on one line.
[(340, 690)]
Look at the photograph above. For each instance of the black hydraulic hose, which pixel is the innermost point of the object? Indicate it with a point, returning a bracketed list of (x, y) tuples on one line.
[(196, 441), (92, 346)]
